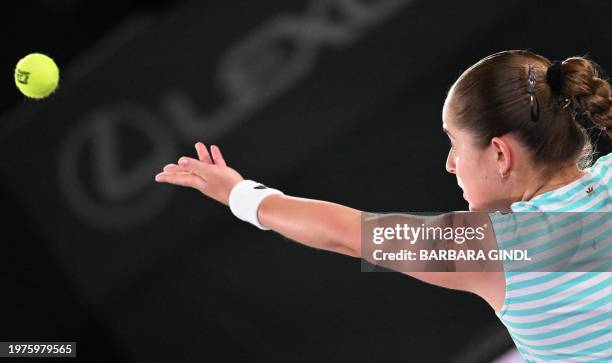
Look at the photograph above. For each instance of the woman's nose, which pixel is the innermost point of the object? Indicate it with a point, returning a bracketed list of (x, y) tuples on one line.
[(450, 164)]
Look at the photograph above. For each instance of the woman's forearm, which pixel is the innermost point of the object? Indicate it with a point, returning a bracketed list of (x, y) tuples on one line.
[(314, 223)]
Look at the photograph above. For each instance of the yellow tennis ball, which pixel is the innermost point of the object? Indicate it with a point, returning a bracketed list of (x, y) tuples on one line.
[(36, 75)]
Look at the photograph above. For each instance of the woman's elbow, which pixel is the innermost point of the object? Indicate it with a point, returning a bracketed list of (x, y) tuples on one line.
[(350, 240), (346, 250)]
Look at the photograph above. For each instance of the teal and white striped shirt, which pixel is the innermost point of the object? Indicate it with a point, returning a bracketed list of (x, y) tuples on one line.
[(561, 316)]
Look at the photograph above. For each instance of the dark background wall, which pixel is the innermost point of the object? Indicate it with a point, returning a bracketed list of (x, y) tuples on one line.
[(332, 100)]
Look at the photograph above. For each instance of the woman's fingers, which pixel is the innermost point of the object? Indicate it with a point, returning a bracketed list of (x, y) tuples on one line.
[(182, 179), (194, 166), (203, 153), (172, 168), (192, 172), (216, 155)]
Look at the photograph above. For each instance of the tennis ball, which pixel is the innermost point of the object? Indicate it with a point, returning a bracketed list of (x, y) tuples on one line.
[(36, 75)]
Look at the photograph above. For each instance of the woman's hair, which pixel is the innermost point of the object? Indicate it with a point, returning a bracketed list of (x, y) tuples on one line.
[(492, 98)]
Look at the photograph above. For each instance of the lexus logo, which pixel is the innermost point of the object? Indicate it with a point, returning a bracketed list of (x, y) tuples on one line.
[(105, 189), (108, 160)]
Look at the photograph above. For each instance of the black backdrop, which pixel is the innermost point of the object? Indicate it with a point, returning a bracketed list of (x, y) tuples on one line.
[(332, 100)]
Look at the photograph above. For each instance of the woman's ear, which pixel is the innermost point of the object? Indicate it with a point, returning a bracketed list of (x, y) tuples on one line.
[(503, 155)]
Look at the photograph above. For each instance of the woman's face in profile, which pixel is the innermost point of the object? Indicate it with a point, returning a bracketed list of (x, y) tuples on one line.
[(476, 170)]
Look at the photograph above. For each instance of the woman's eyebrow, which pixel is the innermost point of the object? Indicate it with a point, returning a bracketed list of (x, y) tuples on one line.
[(446, 131)]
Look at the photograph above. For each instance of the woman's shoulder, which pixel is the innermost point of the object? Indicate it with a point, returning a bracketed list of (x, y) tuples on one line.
[(602, 166), (590, 192)]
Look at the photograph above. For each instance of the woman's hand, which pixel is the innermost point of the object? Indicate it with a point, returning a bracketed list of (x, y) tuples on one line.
[(211, 176)]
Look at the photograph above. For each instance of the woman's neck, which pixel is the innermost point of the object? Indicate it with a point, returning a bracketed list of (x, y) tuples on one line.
[(557, 180)]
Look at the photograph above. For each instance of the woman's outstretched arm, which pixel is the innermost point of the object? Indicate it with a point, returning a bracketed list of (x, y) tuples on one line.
[(315, 223)]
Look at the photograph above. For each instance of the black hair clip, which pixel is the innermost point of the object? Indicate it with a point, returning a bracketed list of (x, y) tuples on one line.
[(533, 99), (554, 77)]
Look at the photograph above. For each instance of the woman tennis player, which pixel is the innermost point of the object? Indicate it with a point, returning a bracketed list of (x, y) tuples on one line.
[(517, 125)]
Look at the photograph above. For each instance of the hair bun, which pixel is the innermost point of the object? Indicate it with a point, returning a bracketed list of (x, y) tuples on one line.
[(589, 92)]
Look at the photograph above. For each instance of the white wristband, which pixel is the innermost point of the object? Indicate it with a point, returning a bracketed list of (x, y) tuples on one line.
[(244, 200)]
